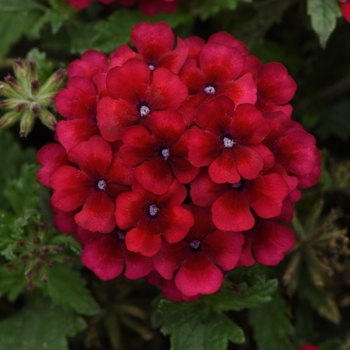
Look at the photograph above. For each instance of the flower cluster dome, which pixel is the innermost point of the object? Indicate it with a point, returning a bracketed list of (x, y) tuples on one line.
[(177, 162)]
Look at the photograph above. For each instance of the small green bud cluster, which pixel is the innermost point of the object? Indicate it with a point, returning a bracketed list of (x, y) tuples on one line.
[(37, 252), (26, 98)]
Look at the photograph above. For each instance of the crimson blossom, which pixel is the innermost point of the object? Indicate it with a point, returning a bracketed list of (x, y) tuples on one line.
[(148, 7), (177, 160), (345, 9)]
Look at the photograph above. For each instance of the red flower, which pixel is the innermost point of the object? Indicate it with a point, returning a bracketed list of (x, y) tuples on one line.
[(345, 9), (77, 103), (79, 4), (308, 347), (136, 93), (100, 177), (230, 142), (158, 151), (266, 243), (231, 204), (201, 257), (155, 45), (150, 216), (51, 157), (151, 7), (218, 73), (106, 255), (90, 63), (275, 88)]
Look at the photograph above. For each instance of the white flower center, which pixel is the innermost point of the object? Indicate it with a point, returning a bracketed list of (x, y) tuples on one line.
[(195, 244), (121, 235), (144, 111), (228, 143), (102, 185), (151, 67), (237, 184), (153, 210), (166, 153), (209, 90)]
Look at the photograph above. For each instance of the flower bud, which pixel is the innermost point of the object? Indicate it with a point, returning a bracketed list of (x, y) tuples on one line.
[(22, 73), (26, 124), (47, 118), (52, 84), (9, 119)]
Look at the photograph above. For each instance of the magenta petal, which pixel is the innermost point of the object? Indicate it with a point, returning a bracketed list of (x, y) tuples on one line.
[(155, 175), (170, 257), (94, 157), (174, 223), (266, 195), (220, 63), (248, 161), (242, 90), (166, 91), (71, 188), (129, 82), (198, 275), (97, 213), (71, 132), (223, 169), (51, 157), (231, 212), (137, 265), (203, 147), (114, 117), (105, 257), (130, 209), (223, 248), (204, 191), (143, 242), (215, 115), (78, 100), (152, 40)]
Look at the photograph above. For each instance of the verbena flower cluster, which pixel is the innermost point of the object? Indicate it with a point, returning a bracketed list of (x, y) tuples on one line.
[(149, 7), (177, 164)]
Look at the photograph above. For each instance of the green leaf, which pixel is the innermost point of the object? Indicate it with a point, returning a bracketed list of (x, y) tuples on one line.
[(194, 326), (12, 158), (324, 15), (67, 288), (211, 8), (12, 283), (228, 299), (23, 193), (41, 325), (17, 18), (44, 67), (108, 34), (272, 327)]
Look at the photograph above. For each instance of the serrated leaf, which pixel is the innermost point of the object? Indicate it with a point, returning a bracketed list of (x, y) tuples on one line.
[(227, 299), (324, 15), (271, 325), (22, 193), (193, 326), (68, 289), (40, 325), (12, 283), (69, 242)]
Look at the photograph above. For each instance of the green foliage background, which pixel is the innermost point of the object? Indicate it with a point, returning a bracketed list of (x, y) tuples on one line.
[(59, 305)]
